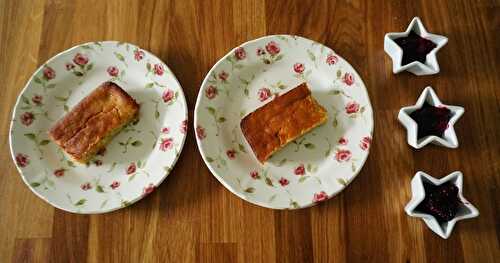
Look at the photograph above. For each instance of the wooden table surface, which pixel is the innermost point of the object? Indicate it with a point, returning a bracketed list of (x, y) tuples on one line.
[(191, 216)]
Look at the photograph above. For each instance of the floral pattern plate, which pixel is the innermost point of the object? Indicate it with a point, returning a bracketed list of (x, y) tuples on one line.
[(315, 166), (134, 162)]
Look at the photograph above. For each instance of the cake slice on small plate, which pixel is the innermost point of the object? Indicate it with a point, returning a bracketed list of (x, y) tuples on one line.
[(284, 119), (91, 124)]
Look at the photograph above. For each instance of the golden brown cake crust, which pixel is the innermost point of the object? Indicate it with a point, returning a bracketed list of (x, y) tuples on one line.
[(282, 120), (81, 132)]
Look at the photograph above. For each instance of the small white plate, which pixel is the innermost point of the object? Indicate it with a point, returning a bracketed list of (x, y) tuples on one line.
[(314, 167), (135, 161)]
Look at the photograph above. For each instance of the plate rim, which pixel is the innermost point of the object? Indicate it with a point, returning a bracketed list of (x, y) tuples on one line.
[(24, 89), (219, 178)]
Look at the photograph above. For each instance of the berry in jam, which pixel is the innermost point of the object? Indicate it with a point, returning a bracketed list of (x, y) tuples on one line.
[(431, 120), (415, 48), (440, 201)]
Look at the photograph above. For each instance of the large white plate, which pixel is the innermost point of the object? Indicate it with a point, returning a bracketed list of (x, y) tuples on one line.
[(314, 167), (135, 161)]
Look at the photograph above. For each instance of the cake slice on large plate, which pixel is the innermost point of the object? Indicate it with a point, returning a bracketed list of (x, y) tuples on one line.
[(90, 125), (284, 119)]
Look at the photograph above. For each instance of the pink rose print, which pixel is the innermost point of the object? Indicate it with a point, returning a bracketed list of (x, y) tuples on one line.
[(138, 54), (331, 59), (200, 133), (300, 170), (348, 79), (98, 162), (59, 172), (166, 144), (231, 154), (113, 71), (158, 69), (86, 186), (70, 66), (240, 53), (343, 155), (184, 126), (149, 189), (37, 99), (273, 48), (260, 51), (168, 95), (343, 141), (283, 181), (49, 73), (211, 92), (114, 185), (80, 59), (131, 168), (298, 67), (365, 143), (319, 197), (264, 94), (165, 130), (352, 107), (254, 175), (223, 75), (27, 118), (22, 160)]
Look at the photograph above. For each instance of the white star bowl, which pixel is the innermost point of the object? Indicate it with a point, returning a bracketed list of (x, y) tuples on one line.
[(449, 138), (431, 65), (466, 209)]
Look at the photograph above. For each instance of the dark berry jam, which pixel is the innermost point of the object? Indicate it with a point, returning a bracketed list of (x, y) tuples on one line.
[(440, 201), (431, 120), (415, 47)]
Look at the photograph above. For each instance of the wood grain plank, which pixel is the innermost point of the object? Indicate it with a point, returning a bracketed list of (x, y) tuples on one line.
[(70, 237), (249, 19), (217, 252), (58, 16), (328, 231), (257, 242), (179, 219), (32, 250), (17, 201), (293, 236), (127, 235), (478, 92)]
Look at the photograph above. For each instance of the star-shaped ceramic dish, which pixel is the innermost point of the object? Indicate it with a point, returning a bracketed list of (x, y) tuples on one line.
[(431, 65), (466, 209), (449, 138)]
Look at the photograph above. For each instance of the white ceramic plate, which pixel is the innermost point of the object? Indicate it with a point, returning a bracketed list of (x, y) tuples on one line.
[(135, 161), (314, 167)]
